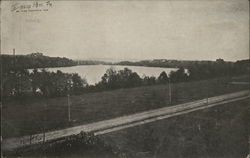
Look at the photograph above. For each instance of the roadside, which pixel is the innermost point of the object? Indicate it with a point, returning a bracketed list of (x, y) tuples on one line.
[(215, 132), (221, 131)]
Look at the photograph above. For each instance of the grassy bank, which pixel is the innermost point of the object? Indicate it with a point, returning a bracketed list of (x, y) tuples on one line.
[(29, 116)]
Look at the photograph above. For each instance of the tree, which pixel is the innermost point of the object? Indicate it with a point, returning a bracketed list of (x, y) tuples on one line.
[(179, 75), (112, 78), (127, 78), (163, 78), (119, 79), (134, 79), (149, 80), (56, 84), (78, 83)]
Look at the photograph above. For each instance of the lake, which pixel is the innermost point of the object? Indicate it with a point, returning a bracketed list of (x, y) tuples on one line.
[(93, 73)]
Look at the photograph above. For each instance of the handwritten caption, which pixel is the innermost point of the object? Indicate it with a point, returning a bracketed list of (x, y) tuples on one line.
[(32, 6)]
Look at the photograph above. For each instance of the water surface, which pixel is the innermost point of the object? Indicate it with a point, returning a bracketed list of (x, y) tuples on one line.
[(93, 73)]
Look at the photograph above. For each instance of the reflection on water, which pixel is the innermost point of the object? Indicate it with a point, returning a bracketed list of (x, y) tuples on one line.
[(93, 73)]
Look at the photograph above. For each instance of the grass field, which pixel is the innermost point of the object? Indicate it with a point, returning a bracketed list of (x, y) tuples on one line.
[(32, 115), (218, 132)]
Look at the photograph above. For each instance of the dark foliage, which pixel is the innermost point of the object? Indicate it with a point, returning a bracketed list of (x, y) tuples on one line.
[(163, 78), (119, 79), (198, 70), (17, 81), (149, 80), (169, 63), (178, 76), (43, 83), (33, 60)]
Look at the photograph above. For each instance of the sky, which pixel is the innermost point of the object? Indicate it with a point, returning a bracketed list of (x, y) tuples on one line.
[(128, 30)]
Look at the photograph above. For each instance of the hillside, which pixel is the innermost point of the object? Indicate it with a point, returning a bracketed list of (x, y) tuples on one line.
[(33, 60), (182, 63)]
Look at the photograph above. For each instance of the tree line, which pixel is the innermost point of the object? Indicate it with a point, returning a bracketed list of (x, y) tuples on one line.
[(40, 82), (17, 80), (126, 78), (206, 69), (19, 83), (38, 60), (33, 60), (171, 63)]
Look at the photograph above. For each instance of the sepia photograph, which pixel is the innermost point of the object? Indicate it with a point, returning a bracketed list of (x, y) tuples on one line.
[(125, 78)]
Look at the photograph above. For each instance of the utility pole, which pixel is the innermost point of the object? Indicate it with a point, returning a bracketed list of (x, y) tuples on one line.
[(15, 73), (169, 91), (1, 95), (207, 98), (207, 95), (68, 108), (19, 81), (14, 55)]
